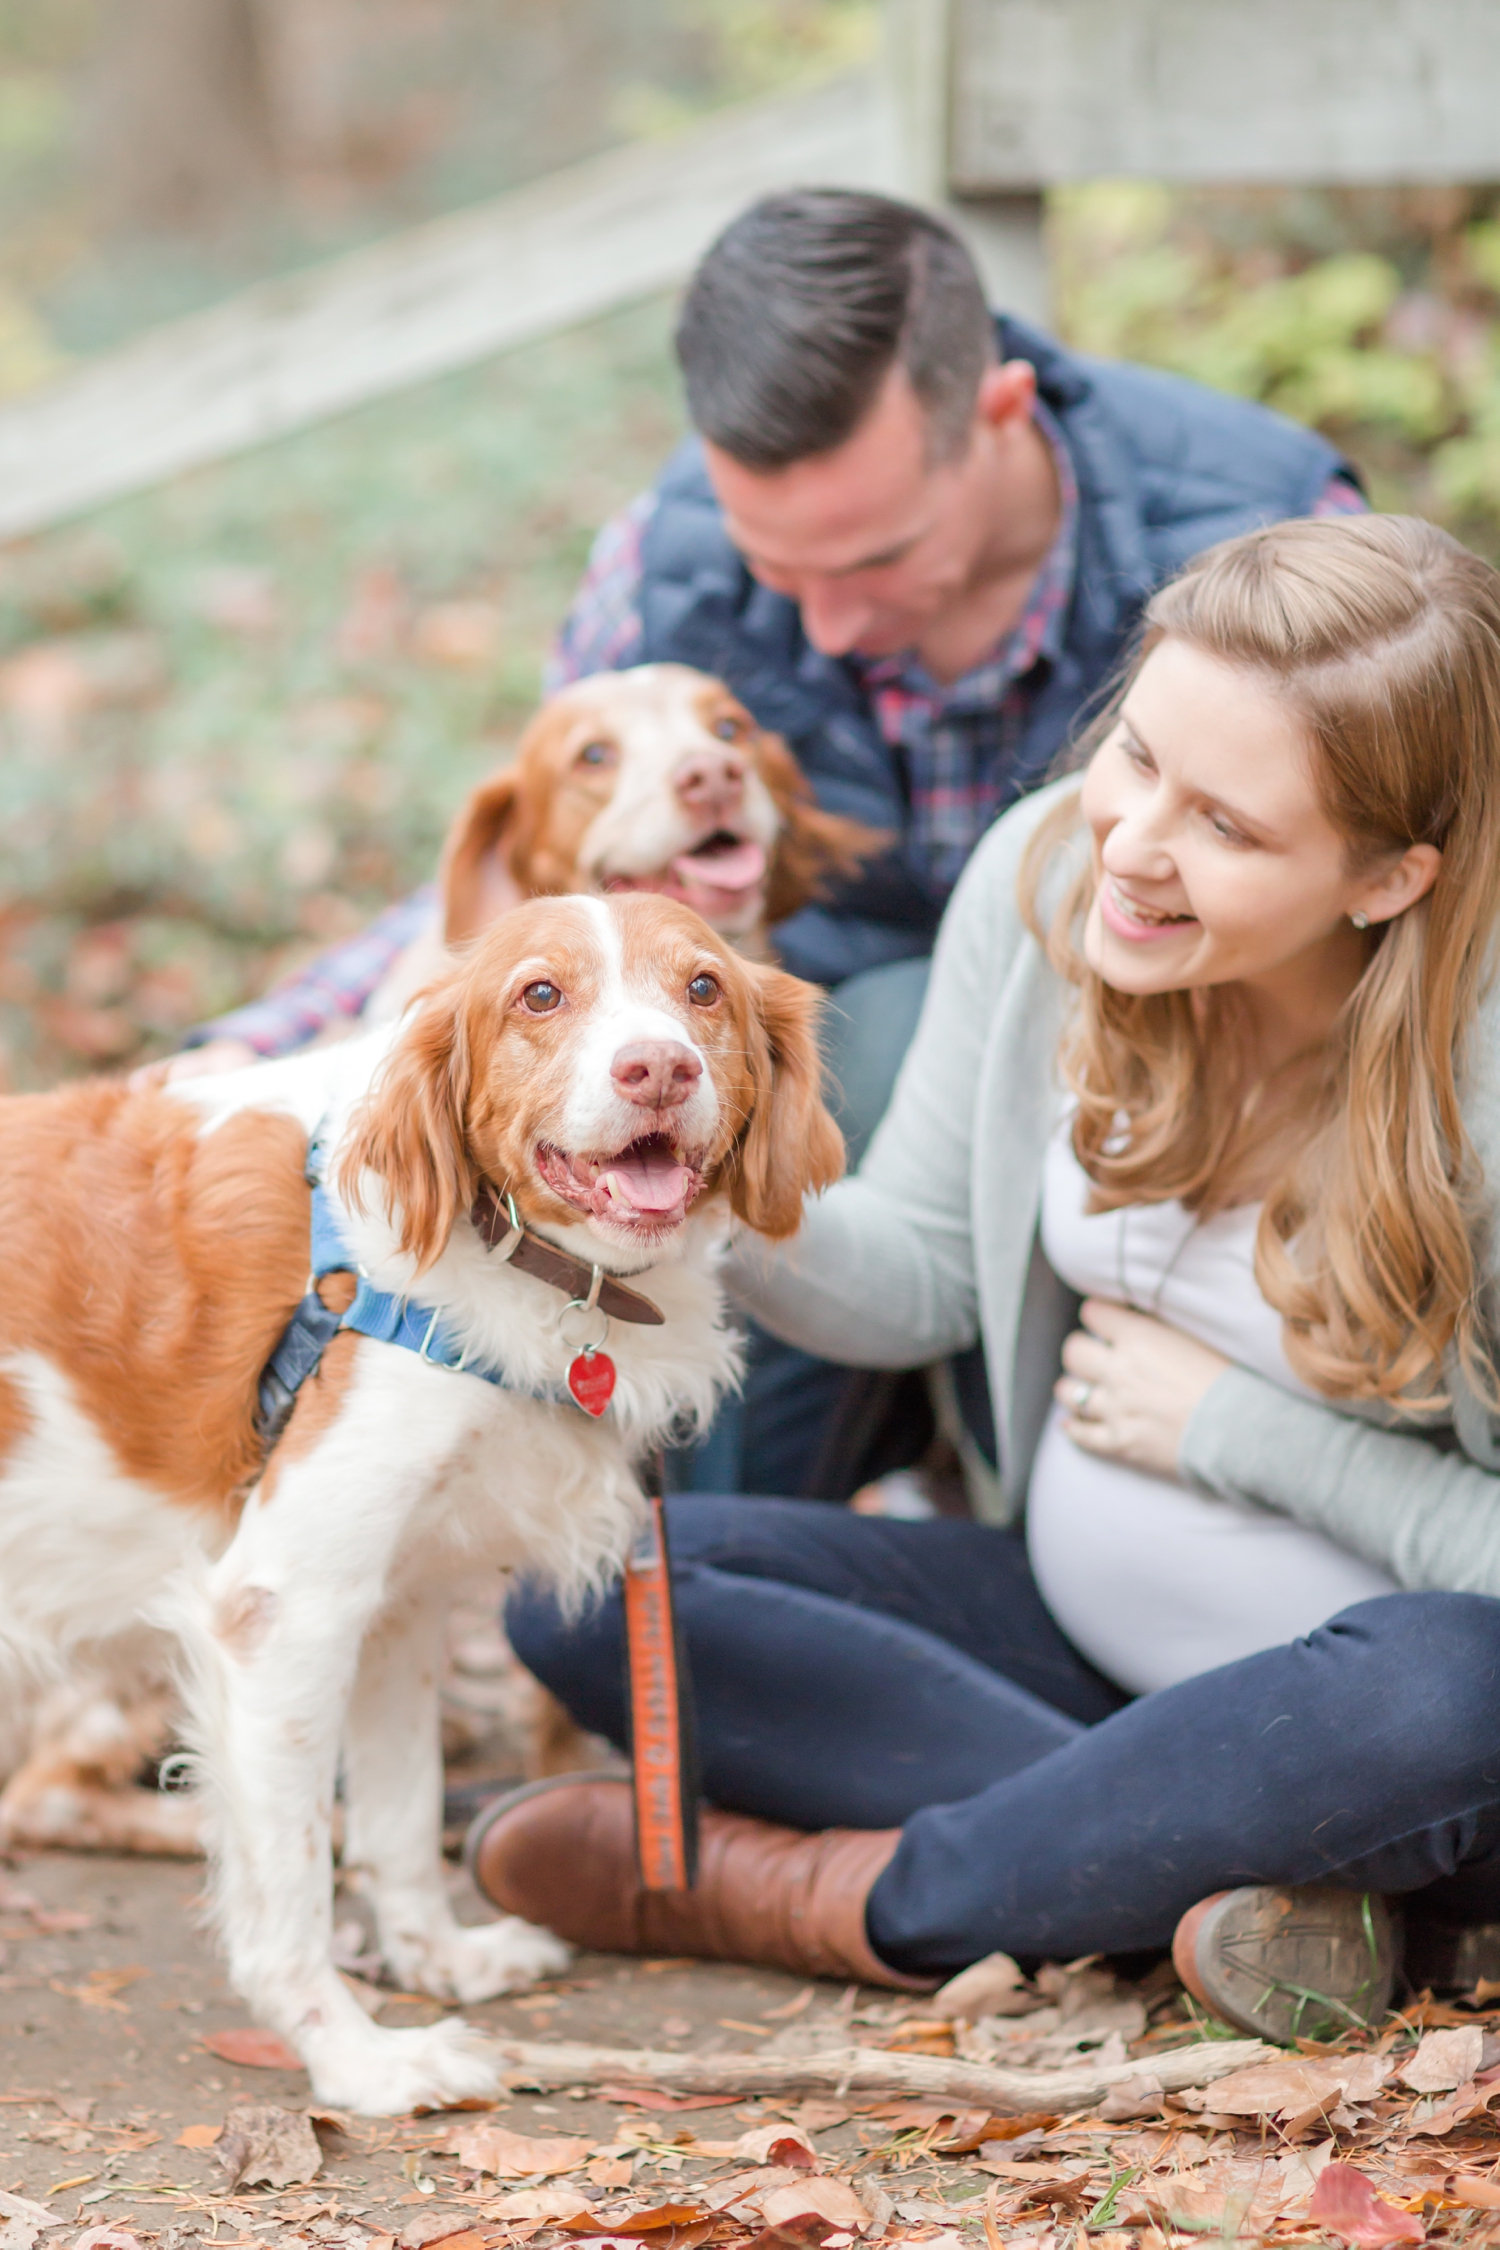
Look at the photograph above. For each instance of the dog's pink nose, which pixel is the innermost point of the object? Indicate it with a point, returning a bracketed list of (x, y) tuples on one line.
[(711, 783), (657, 1073)]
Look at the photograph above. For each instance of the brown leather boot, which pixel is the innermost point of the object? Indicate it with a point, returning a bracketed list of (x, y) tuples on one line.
[(562, 1853)]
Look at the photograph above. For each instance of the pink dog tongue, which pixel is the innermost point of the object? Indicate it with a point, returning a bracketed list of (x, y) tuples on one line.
[(649, 1179), (735, 870)]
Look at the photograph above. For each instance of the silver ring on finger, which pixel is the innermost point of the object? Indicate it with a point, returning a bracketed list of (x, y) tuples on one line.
[(1082, 1398)]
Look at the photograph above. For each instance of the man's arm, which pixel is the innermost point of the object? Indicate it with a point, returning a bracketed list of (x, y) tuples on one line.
[(602, 631)]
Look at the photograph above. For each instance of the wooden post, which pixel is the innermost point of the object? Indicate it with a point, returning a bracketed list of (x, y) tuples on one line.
[(1004, 228)]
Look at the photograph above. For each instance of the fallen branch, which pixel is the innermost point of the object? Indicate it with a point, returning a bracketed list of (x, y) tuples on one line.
[(870, 2070)]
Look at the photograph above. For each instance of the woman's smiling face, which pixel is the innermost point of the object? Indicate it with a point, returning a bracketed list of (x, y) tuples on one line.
[(1214, 860)]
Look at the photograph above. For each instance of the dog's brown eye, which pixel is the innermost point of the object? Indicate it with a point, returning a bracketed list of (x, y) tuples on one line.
[(727, 729), (541, 998), (596, 754), (703, 991)]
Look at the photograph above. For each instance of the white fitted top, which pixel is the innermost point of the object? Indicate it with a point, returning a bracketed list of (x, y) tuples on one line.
[(1150, 1580)]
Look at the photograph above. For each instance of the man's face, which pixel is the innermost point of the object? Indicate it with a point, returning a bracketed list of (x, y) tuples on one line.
[(874, 540)]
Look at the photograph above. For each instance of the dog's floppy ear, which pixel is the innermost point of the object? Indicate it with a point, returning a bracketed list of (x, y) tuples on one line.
[(790, 1143), (409, 1131), (813, 844), (475, 879)]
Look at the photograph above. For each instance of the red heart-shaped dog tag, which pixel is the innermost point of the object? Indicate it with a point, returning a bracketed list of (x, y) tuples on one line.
[(591, 1379)]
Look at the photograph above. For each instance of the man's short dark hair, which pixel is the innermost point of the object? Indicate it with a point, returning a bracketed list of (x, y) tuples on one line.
[(802, 306)]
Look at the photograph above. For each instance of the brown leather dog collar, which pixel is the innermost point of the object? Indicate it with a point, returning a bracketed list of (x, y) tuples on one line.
[(491, 1214)]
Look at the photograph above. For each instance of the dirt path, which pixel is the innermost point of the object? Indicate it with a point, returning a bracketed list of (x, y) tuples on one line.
[(108, 1988)]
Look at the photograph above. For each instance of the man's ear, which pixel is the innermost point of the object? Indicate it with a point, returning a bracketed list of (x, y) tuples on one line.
[(476, 880), (813, 844), (409, 1130), (790, 1143)]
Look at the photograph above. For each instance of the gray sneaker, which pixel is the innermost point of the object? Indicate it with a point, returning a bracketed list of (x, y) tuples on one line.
[(1306, 1963)]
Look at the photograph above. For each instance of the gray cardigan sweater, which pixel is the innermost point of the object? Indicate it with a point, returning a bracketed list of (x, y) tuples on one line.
[(934, 1242)]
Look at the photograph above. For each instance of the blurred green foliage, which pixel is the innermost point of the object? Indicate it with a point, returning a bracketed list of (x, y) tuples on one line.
[(1374, 315)]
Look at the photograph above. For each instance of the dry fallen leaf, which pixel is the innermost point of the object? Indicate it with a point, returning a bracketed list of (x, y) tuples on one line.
[(1345, 2203), (767, 2144), (833, 2200), (1293, 2089), (14, 2206), (608, 2171), (198, 2136), (513, 2156), (265, 2146), (1444, 2060), (742, 2187), (453, 2227), (808, 2232), (1141, 2096), (1220, 2199), (1469, 2100), (1039, 2170), (991, 1987), (108, 2238), (538, 2203), (251, 2047)]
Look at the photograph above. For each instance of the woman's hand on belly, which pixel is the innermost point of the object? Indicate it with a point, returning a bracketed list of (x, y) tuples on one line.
[(1131, 1385)]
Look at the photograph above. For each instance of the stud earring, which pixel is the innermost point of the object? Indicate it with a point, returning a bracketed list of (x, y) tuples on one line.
[(1360, 920)]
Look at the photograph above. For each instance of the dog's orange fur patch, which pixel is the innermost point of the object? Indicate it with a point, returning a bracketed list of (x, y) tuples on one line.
[(156, 1265)]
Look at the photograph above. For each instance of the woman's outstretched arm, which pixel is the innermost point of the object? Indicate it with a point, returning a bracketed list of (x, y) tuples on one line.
[(882, 1273)]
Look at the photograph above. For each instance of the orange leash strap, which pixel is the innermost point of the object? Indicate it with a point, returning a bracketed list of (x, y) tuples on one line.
[(666, 1779)]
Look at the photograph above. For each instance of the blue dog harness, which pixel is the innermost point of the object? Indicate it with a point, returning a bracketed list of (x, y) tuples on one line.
[(419, 1328)]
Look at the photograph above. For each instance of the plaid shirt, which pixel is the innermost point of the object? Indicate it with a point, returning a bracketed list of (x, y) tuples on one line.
[(956, 743)]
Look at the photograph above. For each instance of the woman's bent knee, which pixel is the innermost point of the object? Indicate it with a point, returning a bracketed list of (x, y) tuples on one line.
[(1424, 1666)]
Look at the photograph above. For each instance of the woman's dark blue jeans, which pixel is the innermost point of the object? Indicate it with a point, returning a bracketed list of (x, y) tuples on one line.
[(851, 1671)]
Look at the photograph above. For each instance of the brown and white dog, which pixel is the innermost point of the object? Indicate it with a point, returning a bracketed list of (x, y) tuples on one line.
[(656, 779), (619, 1070)]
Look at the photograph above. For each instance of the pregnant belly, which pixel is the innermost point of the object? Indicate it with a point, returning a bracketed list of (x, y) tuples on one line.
[(1154, 1583)]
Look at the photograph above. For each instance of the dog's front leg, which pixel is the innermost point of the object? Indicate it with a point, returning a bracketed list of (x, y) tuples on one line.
[(273, 1636), (393, 1785)]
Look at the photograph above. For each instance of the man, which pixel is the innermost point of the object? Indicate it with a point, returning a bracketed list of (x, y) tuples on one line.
[(915, 540)]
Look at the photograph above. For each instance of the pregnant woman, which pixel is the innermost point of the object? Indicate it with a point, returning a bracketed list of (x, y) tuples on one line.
[(1201, 1135)]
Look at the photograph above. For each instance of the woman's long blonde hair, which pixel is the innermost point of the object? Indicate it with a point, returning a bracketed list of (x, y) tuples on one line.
[(1382, 635)]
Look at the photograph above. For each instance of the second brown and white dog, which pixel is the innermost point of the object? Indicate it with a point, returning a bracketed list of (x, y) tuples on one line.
[(619, 1071), (654, 779)]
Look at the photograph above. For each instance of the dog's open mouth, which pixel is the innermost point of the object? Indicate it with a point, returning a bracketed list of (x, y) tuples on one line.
[(647, 1186), (724, 864), (716, 877)]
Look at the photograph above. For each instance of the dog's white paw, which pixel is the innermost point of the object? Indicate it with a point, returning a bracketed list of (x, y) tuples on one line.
[(480, 1962), (379, 2073)]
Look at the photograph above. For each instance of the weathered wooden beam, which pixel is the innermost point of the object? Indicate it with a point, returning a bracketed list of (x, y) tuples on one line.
[(1332, 91), (421, 303)]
